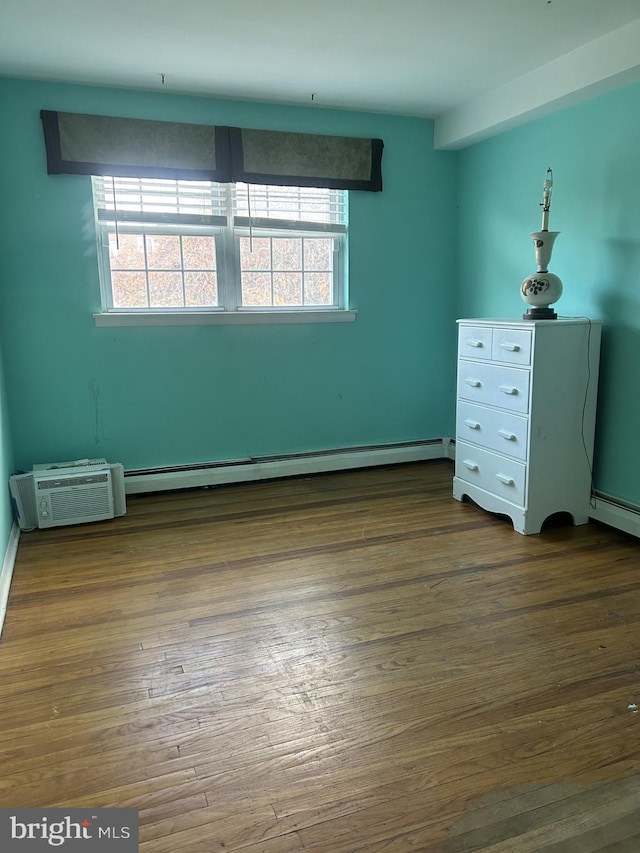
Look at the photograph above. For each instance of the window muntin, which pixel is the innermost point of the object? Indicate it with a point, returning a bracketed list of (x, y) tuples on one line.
[(188, 245)]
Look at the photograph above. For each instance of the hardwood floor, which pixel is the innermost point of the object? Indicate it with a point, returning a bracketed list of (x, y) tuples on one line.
[(342, 663)]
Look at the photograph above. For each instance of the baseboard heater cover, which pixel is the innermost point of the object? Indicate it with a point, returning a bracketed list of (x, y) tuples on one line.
[(6, 570), (616, 513), (273, 467)]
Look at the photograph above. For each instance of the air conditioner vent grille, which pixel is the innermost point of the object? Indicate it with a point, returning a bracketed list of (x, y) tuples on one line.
[(86, 502)]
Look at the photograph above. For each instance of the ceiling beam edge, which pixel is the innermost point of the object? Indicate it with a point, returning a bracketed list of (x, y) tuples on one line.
[(608, 63)]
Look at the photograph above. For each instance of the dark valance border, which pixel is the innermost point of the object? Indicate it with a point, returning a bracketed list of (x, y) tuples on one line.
[(107, 145)]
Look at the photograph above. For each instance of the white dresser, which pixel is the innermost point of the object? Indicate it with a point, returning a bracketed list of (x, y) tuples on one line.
[(525, 417)]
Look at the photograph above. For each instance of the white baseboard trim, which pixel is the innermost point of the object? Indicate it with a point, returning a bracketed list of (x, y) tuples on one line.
[(267, 468), (624, 517), (6, 572)]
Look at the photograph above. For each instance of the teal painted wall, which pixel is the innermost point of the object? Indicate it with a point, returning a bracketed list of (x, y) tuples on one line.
[(593, 151), (6, 446), (174, 395), (6, 460)]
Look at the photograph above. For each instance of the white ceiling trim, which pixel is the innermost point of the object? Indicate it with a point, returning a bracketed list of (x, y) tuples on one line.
[(607, 63)]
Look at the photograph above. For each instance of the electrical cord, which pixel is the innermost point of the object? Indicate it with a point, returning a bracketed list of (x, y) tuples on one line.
[(592, 496)]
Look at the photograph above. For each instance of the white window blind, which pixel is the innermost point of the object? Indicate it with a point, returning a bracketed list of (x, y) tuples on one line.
[(162, 198), (299, 204)]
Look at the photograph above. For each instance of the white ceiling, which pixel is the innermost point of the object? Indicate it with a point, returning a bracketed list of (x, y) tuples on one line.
[(431, 58)]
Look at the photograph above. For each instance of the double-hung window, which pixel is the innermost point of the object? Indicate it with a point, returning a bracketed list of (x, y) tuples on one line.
[(181, 247)]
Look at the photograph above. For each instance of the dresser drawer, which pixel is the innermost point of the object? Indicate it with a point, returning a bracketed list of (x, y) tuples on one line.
[(494, 385), (496, 474), (511, 345), (474, 342), (493, 429)]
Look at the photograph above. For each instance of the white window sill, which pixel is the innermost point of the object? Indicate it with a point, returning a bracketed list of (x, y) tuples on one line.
[(231, 318)]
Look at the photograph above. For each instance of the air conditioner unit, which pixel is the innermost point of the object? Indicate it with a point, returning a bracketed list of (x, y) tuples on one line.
[(53, 496)]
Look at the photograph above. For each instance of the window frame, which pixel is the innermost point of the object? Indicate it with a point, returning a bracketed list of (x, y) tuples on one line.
[(228, 230)]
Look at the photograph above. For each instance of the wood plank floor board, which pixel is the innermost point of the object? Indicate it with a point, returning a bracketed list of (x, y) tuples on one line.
[(409, 774), (144, 795), (627, 845), (68, 743), (531, 737), (550, 805), (143, 604), (337, 663), (99, 678), (78, 779)]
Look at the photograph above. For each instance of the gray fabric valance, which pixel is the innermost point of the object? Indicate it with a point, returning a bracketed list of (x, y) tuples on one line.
[(133, 148), (104, 145)]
